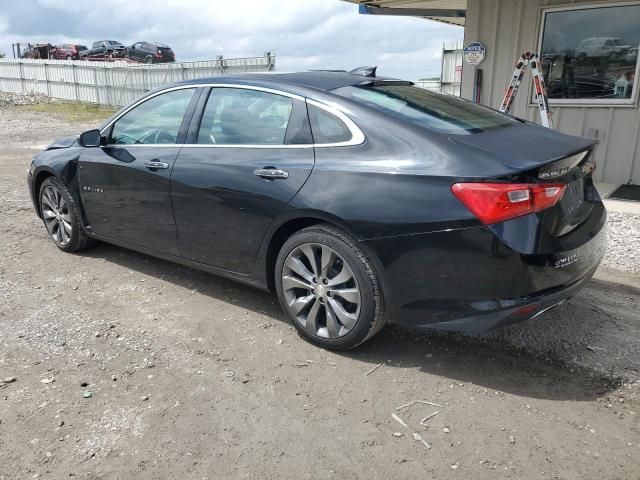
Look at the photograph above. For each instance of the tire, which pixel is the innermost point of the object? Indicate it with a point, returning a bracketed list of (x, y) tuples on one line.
[(69, 57), (312, 297), (58, 207), (149, 60)]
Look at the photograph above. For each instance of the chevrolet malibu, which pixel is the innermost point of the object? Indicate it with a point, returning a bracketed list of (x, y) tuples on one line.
[(359, 200)]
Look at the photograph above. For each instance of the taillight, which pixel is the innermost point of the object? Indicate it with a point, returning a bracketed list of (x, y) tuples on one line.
[(497, 202), (159, 53)]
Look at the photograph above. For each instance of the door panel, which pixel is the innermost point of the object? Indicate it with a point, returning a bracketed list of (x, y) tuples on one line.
[(125, 186), (125, 200), (223, 209), (222, 206)]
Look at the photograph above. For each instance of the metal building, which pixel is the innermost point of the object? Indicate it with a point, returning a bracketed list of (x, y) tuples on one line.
[(450, 80), (451, 77), (589, 57)]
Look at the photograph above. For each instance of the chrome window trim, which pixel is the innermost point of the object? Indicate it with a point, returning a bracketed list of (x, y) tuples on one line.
[(206, 145), (140, 102), (357, 136), (248, 145)]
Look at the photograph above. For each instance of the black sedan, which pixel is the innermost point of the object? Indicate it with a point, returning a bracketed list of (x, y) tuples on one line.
[(359, 200)]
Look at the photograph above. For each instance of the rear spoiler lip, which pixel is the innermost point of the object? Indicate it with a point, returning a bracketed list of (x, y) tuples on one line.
[(534, 172), (383, 82)]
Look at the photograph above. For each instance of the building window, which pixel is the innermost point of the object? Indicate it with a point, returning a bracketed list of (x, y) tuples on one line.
[(590, 55)]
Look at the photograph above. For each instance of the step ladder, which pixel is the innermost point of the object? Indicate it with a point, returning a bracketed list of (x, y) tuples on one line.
[(538, 82)]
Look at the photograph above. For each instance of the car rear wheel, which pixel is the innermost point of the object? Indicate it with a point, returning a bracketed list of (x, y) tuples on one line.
[(149, 60), (61, 216), (328, 288)]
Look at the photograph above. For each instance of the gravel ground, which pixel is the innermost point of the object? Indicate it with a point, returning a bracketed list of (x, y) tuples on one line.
[(623, 250), (114, 365), (8, 100), (30, 125)]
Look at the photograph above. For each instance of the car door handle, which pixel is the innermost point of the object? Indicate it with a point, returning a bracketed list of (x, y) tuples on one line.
[(154, 165), (271, 173)]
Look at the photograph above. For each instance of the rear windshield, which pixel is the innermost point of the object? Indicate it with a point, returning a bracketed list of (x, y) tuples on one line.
[(442, 113)]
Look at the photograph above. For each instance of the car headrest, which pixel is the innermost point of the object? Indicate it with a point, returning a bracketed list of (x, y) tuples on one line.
[(235, 120)]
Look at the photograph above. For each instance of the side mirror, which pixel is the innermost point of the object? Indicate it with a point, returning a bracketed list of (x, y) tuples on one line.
[(91, 138)]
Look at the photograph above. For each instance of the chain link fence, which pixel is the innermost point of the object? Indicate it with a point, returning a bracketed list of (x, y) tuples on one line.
[(113, 83)]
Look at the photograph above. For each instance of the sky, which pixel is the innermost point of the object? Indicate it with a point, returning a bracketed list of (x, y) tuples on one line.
[(304, 34)]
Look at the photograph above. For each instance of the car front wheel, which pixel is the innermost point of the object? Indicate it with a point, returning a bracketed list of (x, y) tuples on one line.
[(328, 288), (61, 216)]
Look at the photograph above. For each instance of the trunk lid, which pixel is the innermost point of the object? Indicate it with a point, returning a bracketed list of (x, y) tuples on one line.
[(533, 154), (577, 202), (523, 146)]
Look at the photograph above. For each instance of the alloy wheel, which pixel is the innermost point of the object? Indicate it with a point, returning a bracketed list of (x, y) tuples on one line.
[(56, 215), (321, 291)]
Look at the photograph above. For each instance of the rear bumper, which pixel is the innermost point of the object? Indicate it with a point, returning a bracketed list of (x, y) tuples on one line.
[(472, 280), (501, 313)]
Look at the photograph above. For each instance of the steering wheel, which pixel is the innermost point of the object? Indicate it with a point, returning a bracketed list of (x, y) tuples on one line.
[(122, 136), (162, 136)]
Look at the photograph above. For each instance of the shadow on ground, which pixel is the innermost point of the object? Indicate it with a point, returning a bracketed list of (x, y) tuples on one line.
[(487, 361)]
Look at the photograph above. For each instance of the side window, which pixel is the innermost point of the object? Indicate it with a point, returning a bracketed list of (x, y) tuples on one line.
[(327, 128), (235, 116), (155, 121)]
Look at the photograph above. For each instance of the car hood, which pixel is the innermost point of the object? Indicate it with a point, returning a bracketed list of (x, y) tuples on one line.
[(63, 142)]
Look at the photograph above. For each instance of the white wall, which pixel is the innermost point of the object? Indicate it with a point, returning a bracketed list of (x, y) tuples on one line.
[(509, 27), (112, 83)]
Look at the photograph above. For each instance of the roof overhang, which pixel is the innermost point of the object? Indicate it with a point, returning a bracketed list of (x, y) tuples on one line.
[(447, 11)]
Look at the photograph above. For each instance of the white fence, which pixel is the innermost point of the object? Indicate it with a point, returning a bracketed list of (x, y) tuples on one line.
[(113, 83)]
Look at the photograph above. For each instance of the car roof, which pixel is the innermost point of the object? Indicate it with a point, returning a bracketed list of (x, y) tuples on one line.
[(321, 80)]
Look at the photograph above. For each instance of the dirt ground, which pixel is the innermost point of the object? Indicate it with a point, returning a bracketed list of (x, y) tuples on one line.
[(190, 376)]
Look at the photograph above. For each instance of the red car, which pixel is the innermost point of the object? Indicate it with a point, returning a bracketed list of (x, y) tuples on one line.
[(67, 51)]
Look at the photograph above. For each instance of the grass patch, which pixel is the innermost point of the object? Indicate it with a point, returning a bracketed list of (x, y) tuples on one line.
[(73, 111)]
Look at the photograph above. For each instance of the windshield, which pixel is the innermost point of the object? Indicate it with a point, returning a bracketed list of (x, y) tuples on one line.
[(435, 111), (113, 42)]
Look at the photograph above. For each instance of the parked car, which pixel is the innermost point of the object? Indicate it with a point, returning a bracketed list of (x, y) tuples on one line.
[(102, 48), (67, 51), (359, 200), (149, 52), (632, 55), (610, 47)]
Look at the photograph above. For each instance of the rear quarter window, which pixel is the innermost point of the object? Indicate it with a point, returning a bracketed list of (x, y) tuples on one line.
[(435, 111), (327, 128)]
